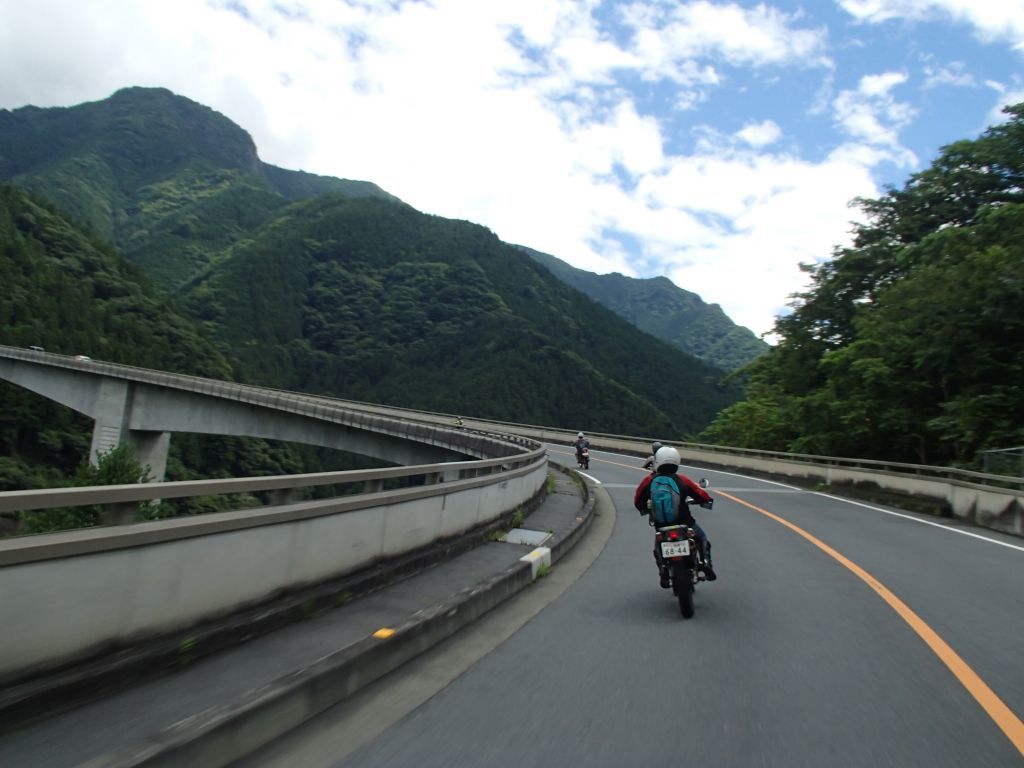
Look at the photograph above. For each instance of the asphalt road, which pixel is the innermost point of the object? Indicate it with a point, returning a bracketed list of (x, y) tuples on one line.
[(803, 653)]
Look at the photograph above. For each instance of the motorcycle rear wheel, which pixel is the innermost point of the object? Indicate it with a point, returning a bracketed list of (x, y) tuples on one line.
[(684, 589)]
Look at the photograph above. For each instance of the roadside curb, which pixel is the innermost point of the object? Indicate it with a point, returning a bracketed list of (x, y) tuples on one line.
[(222, 734)]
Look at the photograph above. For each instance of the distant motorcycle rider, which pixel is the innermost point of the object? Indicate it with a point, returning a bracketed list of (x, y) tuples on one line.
[(655, 447), (579, 445), (666, 462)]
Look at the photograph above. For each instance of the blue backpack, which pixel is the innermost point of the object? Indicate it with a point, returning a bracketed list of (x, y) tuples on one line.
[(665, 500)]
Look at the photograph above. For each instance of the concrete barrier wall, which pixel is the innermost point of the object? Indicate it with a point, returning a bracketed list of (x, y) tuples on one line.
[(990, 506), (58, 608), (987, 506)]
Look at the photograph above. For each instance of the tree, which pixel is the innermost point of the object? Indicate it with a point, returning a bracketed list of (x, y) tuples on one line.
[(909, 344), (118, 466)]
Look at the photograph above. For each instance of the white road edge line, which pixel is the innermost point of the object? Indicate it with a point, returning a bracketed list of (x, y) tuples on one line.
[(923, 522), (748, 477), (948, 528)]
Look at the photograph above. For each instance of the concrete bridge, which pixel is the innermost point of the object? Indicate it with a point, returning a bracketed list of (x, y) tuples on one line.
[(144, 407)]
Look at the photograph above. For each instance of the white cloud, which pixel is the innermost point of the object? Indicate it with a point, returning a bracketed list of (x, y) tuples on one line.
[(668, 36), (953, 74), (740, 210), (626, 139), (992, 20), (760, 134), (510, 113), (872, 115), (878, 86), (1008, 95)]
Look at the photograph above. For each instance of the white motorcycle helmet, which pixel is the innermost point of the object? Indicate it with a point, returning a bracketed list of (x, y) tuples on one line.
[(579, 435), (666, 455)]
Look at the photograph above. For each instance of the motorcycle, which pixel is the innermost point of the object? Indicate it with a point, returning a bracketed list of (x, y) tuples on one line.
[(682, 555), (583, 458)]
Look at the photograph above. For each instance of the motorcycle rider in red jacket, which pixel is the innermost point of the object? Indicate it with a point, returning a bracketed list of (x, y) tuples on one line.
[(666, 462)]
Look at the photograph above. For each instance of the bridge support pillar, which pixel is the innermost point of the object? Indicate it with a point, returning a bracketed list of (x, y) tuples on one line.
[(151, 449), (113, 415)]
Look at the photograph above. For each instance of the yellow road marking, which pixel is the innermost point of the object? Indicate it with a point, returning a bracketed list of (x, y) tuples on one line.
[(1003, 716)]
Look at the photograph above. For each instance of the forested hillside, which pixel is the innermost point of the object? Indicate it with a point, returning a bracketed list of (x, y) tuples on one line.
[(334, 286), (376, 301), (170, 182), (66, 290), (909, 345), (659, 307)]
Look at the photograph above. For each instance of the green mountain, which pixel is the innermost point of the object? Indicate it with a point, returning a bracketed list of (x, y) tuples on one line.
[(170, 182), (656, 305), (333, 286), (376, 301), (68, 291)]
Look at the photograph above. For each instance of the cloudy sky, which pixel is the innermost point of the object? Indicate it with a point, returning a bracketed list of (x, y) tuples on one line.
[(717, 143)]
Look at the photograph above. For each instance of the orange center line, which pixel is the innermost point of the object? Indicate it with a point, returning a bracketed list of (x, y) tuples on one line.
[(1001, 714)]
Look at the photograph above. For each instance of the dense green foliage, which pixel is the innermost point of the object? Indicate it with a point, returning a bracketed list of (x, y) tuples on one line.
[(657, 306), (68, 291), (909, 345), (375, 301), (115, 467)]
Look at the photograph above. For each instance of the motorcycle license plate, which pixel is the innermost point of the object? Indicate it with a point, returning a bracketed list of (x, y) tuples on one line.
[(675, 548)]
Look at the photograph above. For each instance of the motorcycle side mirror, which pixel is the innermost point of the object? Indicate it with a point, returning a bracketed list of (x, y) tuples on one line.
[(703, 482)]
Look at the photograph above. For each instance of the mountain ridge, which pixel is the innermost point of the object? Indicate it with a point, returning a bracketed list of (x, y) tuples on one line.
[(659, 307), (337, 287)]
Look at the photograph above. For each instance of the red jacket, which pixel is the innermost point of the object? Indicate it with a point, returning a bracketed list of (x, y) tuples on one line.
[(686, 488)]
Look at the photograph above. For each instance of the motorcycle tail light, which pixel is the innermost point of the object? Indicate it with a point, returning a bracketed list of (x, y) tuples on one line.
[(673, 535)]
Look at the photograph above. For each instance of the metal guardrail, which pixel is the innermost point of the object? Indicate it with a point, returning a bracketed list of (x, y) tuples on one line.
[(1010, 458), (24, 549), (369, 479)]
